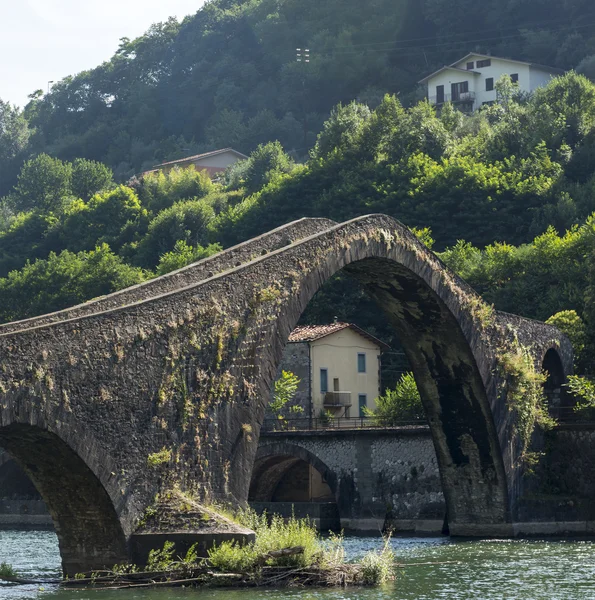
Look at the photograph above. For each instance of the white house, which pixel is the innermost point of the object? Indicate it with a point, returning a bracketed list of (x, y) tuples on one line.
[(470, 82)]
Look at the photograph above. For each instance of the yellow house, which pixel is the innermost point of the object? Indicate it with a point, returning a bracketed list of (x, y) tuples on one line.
[(338, 366)]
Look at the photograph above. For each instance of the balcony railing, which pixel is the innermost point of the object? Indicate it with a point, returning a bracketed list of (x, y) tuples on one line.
[(337, 399), (462, 98)]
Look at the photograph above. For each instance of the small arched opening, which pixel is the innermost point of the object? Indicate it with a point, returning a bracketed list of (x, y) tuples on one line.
[(560, 403), (291, 481), (89, 532)]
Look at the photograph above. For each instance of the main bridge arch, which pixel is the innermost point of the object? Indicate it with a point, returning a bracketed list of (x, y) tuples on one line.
[(453, 342), (172, 389)]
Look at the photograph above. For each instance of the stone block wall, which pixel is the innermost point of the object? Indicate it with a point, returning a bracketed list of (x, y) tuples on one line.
[(296, 358), (379, 476), (562, 489)]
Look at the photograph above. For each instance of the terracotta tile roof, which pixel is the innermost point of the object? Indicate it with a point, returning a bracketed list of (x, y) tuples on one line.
[(311, 333), (200, 156)]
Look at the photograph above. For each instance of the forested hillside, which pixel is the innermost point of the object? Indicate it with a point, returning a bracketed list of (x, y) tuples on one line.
[(228, 76), (505, 195)]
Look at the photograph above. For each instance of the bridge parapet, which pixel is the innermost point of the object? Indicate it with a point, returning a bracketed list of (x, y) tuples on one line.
[(192, 274)]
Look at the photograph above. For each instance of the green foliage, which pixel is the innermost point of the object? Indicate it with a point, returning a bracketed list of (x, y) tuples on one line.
[(7, 571), (232, 557), (89, 177), (401, 404), (42, 184), (186, 220), (525, 393), (158, 459), (584, 390), (263, 165), (64, 280), (341, 130), (14, 138), (161, 560), (570, 324), (183, 255), (272, 534), (160, 190), (284, 391), (325, 417), (112, 217)]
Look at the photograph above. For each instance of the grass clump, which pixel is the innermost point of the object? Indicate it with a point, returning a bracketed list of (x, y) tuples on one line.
[(272, 535), (378, 567), (7, 571)]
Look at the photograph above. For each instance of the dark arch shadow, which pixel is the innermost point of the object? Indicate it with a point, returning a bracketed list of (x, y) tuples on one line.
[(13, 481), (560, 403), (84, 517), (274, 461)]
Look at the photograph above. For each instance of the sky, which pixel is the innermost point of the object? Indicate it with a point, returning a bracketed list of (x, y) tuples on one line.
[(46, 40)]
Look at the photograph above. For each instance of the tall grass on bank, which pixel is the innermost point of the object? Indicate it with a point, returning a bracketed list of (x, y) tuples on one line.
[(272, 535), (379, 567)]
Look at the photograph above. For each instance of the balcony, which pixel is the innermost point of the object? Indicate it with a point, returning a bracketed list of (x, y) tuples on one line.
[(337, 400), (462, 98)]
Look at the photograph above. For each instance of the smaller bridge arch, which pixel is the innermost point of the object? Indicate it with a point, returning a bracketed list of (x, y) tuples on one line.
[(85, 519), (274, 462), (559, 402)]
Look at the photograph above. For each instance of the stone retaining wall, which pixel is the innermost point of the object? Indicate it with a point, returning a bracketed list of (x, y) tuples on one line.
[(379, 476)]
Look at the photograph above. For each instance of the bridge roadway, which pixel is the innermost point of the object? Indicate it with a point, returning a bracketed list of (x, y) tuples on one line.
[(164, 385)]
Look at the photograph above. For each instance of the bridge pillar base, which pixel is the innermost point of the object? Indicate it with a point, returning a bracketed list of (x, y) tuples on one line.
[(488, 530), (142, 543)]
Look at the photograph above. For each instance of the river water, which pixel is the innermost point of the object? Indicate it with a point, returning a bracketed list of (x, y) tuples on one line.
[(478, 570)]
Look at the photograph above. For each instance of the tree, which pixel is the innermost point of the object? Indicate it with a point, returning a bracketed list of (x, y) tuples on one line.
[(14, 138), (90, 177), (267, 161), (43, 183), (188, 221), (570, 324), (14, 131), (342, 129), (114, 217), (63, 280), (401, 404), (285, 389), (163, 189)]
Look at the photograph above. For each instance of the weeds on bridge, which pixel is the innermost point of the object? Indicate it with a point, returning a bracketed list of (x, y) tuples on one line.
[(525, 395)]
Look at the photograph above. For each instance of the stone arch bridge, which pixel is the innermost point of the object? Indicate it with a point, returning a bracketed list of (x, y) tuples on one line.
[(165, 384)]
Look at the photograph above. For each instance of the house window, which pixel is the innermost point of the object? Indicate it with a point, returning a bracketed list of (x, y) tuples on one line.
[(470, 66), (439, 94), (323, 381), (489, 84), (361, 363), (514, 77), (458, 90), (484, 63), (363, 402)]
